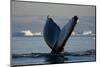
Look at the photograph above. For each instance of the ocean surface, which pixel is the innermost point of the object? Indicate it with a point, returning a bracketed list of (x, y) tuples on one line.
[(30, 50)]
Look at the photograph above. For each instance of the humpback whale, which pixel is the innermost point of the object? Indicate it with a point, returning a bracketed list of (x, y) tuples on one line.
[(55, 37)]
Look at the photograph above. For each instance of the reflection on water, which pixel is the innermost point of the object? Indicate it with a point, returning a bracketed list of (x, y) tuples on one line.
[(39, 58), (55, 58), (24, 59)]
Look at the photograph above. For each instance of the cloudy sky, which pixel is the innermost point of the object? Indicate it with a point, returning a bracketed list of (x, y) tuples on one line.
[(30, 15), (31, 9)]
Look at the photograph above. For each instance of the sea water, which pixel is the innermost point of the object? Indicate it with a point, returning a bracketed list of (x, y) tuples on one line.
[(22, 45)]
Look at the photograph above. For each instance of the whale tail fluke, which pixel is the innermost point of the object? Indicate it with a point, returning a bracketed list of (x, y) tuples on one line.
[(51, 32), (56, 38)]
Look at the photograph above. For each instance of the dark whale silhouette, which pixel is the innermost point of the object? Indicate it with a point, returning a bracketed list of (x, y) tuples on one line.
[(56, 38)]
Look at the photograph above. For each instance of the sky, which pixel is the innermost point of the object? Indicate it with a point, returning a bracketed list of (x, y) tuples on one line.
[(31, 9), (32, 16)]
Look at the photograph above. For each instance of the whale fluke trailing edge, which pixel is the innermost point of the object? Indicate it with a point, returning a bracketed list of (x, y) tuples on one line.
[(56, 38)]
